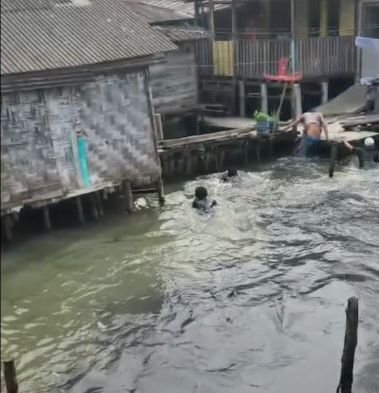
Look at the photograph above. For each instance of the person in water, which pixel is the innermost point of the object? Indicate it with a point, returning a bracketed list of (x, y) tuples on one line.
[(230, 175), (201, 201), (366, 154), (314, 124)]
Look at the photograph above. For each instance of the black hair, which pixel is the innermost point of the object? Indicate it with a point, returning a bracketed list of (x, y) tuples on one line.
[(232, 172), (201, 193)]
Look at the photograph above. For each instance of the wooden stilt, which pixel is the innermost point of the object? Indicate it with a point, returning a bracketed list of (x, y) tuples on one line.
[(94, 209), (99, 204), (7, 223), (160, 191), (46, 218), (351, 338), (188, 163), (258, 150), (246, 146), (264, 98), (127, 188), (325, 92), (207, 160), (10, 376), (270, 147), (242, 102), (79, 206)]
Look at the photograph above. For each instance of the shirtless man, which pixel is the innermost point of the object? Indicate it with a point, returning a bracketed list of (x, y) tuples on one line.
[(314, 124), (201, 201)]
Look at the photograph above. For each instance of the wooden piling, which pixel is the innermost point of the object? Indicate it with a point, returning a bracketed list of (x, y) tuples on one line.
[(242, 102), (297, 102), (94, 209), (160, 191), (99, 204), (246, 146), (325, 92), (158, 126), (46, 217), (350, 343), (264, 98), (333, 158), (79, 206), (10, 376), (127, 189), (7, 223)]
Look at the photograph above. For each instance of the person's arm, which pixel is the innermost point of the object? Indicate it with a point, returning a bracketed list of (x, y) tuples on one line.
[(214, 203), (294, 123), (324, 126), (194, 204)]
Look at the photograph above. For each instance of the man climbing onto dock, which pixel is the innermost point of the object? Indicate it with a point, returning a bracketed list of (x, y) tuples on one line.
[(314, 124)]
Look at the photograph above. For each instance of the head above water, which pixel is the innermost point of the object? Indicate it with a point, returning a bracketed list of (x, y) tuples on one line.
[(369, 143), (201, 193), (232, 172)]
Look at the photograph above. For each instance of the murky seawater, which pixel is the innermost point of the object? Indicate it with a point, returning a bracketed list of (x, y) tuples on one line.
[(250, 299)]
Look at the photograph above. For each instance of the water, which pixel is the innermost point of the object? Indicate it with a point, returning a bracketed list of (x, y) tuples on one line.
[(250, 299)]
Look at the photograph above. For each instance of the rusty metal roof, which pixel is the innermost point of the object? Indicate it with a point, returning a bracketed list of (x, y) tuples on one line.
[(155, 14), (39, 35), (183, 33)]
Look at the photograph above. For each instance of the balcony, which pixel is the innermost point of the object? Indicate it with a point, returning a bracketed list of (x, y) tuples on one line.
[(315, 57)]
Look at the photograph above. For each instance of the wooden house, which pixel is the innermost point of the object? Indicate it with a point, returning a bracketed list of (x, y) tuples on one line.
[(248, 38), (76, 112), (174, 81)]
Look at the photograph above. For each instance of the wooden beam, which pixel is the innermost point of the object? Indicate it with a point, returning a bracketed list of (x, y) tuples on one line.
[(211, 20), (79, 207), (46, 218)]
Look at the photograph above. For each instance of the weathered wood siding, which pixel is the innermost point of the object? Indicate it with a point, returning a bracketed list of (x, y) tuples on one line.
[(174, 83), (38, 137)]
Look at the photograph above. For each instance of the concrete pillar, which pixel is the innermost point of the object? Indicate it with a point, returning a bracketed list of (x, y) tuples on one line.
[(127, 189), (347, 18), (242, 101), (325, 92), (264, 98)]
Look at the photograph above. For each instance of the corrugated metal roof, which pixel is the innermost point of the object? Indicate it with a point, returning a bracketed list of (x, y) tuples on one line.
[(73, 33), (154, 14), (183, 33), (179, 6)]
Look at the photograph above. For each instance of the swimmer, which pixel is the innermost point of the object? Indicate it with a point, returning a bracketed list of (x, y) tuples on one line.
[(314, 124), (201, 201), (229, 175), (366, 154)]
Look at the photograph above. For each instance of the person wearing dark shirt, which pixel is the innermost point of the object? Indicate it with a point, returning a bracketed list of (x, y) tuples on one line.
[(201, 201)]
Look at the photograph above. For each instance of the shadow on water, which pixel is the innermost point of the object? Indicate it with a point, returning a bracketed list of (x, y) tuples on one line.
[(248, 299)]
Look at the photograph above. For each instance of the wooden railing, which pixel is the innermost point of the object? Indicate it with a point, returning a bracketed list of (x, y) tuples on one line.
[(315, 57)]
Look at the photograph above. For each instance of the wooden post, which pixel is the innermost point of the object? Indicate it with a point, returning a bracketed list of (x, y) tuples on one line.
[(10, 376), (350, 343), (235, 53), (333, 158), (158, 126), (242, 103), (325, 92), (7, 223), (127, 188), (264, 98), (258, 148), (246, 146), (94, 210), (296, 92), (211, 19), (160, 191), (79, 206), (46, 218), (99, 204)]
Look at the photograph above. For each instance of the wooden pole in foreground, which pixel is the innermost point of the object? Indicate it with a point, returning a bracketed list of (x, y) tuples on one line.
[(10, 376), (351, 333)]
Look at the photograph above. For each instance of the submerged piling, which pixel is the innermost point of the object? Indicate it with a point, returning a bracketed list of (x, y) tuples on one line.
[(10, 376), (351, 339)]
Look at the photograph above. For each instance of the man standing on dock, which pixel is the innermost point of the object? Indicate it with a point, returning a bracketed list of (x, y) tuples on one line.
[(314, 124)]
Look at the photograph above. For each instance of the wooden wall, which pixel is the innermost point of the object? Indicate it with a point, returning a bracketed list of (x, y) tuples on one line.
[(39, 131), (174, 82)]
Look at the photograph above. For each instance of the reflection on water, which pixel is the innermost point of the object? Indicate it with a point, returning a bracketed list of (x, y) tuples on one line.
[(249, 299)]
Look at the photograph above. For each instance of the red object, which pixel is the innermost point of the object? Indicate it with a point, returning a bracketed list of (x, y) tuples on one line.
[(283, 75)]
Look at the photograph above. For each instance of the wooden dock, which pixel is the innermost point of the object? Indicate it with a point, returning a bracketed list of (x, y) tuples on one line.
[(211, 152)]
